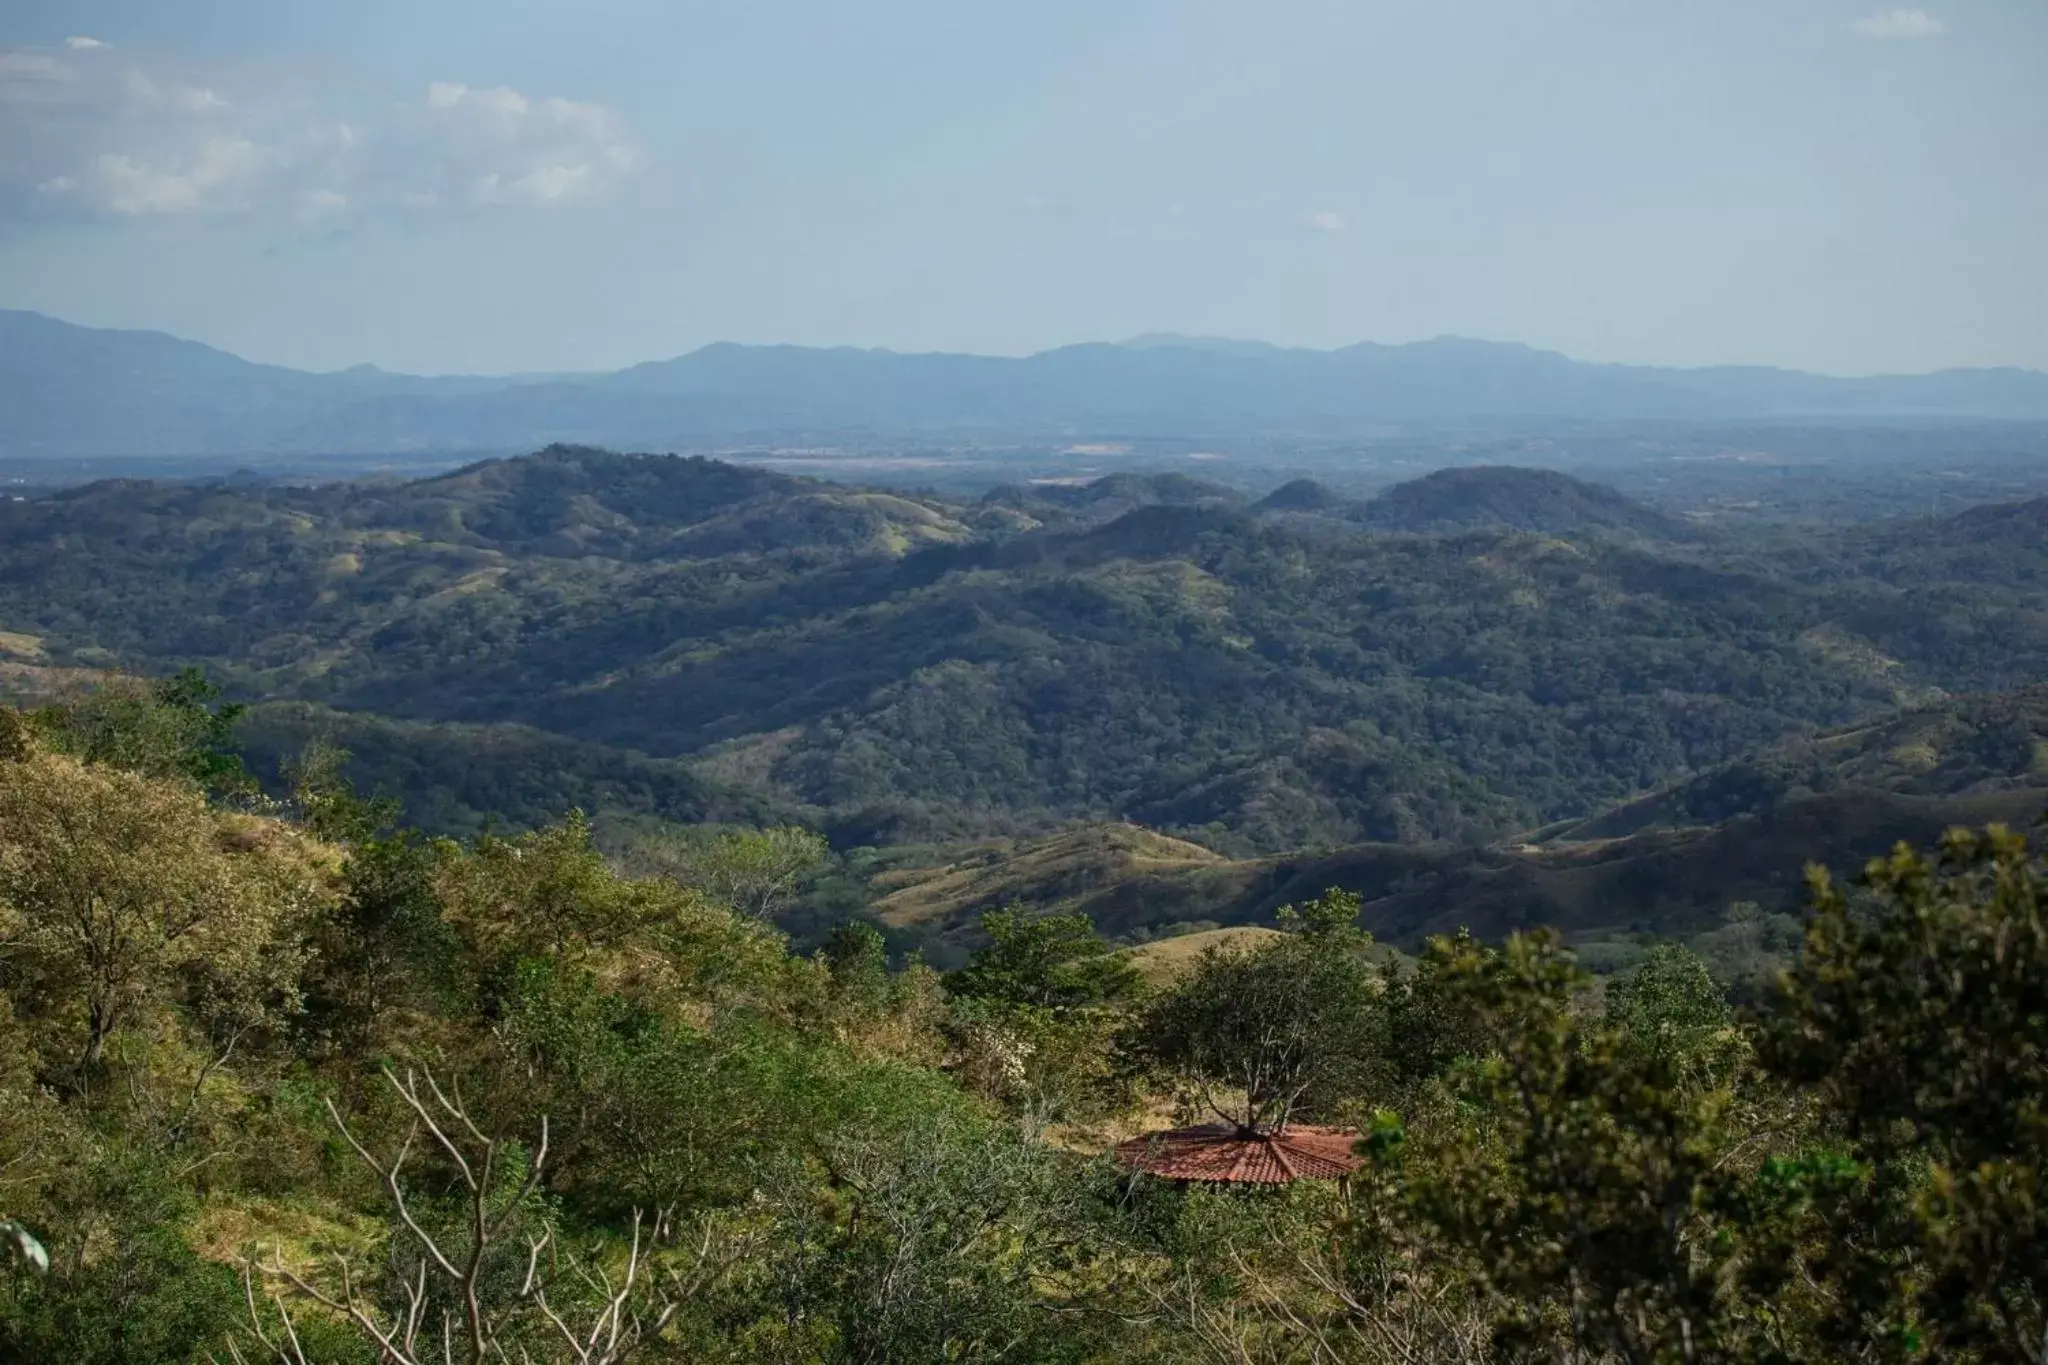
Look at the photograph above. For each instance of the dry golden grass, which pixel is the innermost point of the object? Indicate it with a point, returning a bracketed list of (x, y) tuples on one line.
[(1047, 874), (307, 1236), (1166, 960)]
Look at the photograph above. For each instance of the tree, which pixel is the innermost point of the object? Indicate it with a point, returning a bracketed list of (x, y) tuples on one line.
[(857, 956), (459, 1300), (1670, 1006), (1050, 962), (387, 940), (1919, 1013), (946, 1239), (119, 893), (753, 871), (1258, 1035), (544, 893), (1034, 1013), (1582, 1180), (171, 726)]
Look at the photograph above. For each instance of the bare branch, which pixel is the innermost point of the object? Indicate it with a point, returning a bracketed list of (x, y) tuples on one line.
[(621, 1322)]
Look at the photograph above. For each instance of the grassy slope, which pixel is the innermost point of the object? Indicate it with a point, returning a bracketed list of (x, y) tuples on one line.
[(1838, 799), (1166, 960)]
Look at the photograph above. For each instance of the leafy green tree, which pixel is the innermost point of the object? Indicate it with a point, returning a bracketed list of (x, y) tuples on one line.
[(386, 943), (176, 725), (121, 894), (857, 956), (1580, 1179), (122, 1286), (1047, 962), (16, 742), (1427, 1030), (544, 893), (1257, 1036), (1034, 1012), (1919, 1014), (753, 871), (1670, 1005), (950, 1238)]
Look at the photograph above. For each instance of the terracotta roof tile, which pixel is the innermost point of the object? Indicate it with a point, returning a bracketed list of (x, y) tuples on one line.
[(1218, 1152)]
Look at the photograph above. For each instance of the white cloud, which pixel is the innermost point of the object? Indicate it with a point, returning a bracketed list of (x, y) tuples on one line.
[(131, 136), (541, 185), (31, 67), (1900, 23), (80, 43), (1324, 220), (221, 173), (500, 147), (322, 205)]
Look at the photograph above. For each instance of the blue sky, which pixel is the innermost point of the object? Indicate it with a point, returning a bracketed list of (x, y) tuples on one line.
[(445, 185)]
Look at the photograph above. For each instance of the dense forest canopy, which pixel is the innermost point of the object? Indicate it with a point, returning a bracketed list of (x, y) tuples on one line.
[(893, 667), (596, 907)]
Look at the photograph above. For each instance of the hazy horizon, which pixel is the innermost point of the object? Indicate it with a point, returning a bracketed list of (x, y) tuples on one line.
[(1141, 338), (1850, 187)]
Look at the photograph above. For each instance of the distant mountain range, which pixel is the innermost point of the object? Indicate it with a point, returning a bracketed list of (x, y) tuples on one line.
[(69, 391)]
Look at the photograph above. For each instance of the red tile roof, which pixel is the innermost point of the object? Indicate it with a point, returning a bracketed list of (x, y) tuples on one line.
[(1223, 1153)]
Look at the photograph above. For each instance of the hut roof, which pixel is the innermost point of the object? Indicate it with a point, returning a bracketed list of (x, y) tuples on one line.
[(1221, 1152)]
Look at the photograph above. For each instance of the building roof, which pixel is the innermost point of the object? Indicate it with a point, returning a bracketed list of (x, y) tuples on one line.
[(1221, 1152)]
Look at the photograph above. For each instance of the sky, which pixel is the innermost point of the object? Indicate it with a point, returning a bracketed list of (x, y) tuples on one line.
[(511, 185)]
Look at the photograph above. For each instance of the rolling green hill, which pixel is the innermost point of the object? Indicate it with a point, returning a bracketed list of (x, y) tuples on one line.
[(458, 779), (1972, 746), (1672, 863), (1671, 882), (1539, 500), (903, 667)]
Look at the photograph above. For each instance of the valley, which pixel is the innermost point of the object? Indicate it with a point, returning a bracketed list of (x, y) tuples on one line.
[(1490, 696), (1351, 683)]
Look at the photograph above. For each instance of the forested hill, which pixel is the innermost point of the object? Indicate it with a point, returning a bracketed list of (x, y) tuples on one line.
[(1540, 500), (1672, 862), (286, 1081), (890, 666)]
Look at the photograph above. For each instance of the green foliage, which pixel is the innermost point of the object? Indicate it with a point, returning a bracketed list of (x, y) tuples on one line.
[(123, 1287), (1582, 1177), (1050, 962), (753, 871), (857, 955), (1034, 1011), (15, 742), (1290, 1027), (1669, 1005), (173, 726), (120, 895), (460, 779), (811, 1158), (946, 1239), (1919, 1013), (695, 640)]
